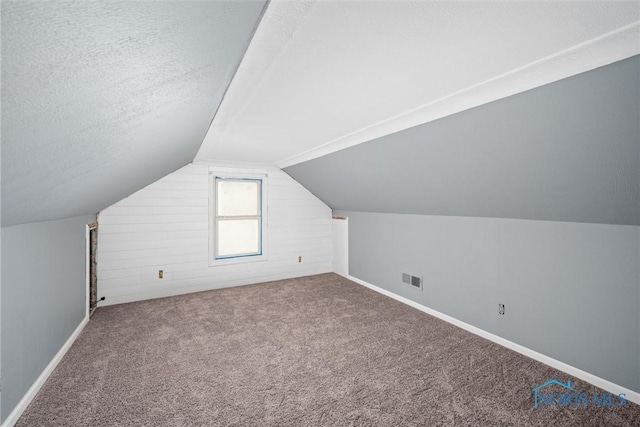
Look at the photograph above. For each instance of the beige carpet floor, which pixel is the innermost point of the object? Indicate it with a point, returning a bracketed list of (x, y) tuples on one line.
[(314, 351)]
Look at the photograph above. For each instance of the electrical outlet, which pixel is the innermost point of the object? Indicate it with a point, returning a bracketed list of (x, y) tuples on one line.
[(299, 259), (501, 309), (160, 274)]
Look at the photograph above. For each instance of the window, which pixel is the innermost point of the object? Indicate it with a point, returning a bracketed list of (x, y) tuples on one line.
[(237, 222)]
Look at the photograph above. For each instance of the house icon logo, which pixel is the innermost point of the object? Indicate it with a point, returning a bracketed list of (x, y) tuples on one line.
[(568, 396), (537, 392)]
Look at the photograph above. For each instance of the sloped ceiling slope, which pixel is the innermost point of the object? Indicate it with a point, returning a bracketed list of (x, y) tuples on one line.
[(102, 98), (567, 151), (320, 76)]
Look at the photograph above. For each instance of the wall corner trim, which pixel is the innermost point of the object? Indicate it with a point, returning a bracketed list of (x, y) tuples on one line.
[(39, 382), (573, 371)]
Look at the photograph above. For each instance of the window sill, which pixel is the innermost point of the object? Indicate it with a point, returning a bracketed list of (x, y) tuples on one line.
[(238, 260)]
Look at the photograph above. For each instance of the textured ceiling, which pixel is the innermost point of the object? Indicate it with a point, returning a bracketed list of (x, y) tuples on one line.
[(566, 151), (322, 76), (102, 98)]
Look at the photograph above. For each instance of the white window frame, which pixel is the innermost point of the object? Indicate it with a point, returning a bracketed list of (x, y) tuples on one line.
[(240, 259)]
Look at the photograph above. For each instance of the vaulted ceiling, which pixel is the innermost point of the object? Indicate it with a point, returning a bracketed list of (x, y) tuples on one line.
[(566, 151), (322, 76), (102, 98)]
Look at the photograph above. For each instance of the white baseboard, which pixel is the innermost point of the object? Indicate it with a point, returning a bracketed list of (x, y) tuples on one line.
[(561, 366), (37, 385), (209, 285)]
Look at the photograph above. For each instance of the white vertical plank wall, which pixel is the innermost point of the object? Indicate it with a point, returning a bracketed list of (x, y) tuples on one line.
[(164, 226)]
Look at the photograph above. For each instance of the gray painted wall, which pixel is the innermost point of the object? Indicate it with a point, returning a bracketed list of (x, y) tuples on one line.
[(570, 289), (43, 298), (567, 151)]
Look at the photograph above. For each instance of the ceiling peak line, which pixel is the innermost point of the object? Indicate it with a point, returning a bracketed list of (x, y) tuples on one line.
[(286, 17), (605, 49), (237, 67)]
